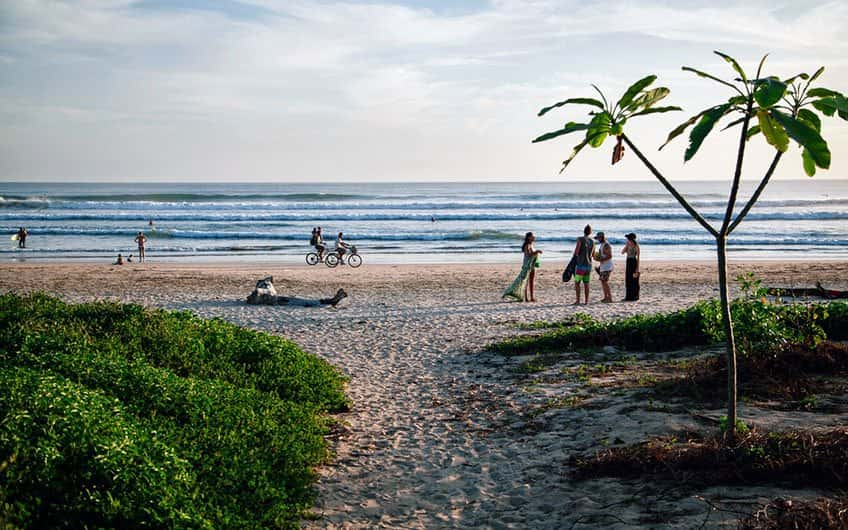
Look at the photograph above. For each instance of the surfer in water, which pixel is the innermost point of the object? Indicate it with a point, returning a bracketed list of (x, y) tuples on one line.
[(141, 240)]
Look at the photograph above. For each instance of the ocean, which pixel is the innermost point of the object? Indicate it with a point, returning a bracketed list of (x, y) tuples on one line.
[(412, 222)]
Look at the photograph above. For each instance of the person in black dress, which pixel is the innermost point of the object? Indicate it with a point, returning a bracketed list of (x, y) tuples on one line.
[(631, 270)]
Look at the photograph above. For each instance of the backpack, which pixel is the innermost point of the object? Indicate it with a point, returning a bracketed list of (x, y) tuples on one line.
[(314, 240)]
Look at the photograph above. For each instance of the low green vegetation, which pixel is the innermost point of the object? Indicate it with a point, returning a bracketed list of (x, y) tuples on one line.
[(757, 322), (120, 416)]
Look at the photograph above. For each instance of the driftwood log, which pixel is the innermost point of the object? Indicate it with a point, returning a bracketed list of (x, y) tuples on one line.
[(818, 290), (266, 294)]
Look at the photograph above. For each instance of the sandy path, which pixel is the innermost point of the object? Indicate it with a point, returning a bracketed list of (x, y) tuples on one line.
[(443, 434)]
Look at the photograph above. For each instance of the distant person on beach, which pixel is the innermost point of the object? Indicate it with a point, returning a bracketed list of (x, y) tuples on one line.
[(583, 251), (150, 222), (631, 271), (120, 260), (22, 235), (604, 255), (525, 283), (141, 240), (341, 247)]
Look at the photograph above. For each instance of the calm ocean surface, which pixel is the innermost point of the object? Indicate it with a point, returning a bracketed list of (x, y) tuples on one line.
[(393, 223)]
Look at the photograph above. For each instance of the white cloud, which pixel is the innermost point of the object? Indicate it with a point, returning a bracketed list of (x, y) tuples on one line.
[(470, 80)]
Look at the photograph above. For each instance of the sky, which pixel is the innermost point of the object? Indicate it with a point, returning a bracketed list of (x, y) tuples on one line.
[(349, 91)]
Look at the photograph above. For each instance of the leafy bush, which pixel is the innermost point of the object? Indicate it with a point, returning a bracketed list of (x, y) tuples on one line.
[(246, 441), (181, 342), (665, 331), (70, 455), (758, 323)]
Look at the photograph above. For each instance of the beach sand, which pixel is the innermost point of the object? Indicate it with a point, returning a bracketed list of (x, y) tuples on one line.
[(443, 433)]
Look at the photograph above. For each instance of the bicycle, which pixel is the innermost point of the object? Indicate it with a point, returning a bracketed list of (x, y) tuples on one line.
[(332, 259), (312, 258)]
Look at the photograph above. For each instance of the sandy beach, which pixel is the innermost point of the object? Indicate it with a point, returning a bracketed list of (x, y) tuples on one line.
[(443, 433)]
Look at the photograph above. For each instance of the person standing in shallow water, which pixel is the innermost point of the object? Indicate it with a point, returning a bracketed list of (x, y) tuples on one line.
[(631, 272), (141, 240), (22, 235), (583, 251), (523, 287)]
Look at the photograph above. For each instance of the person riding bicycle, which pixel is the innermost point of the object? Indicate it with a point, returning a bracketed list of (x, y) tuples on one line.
[(318, 242), (341, 247)]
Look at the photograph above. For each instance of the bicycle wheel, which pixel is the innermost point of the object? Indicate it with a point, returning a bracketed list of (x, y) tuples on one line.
[(312, 258), (355, 260), (331, 260)]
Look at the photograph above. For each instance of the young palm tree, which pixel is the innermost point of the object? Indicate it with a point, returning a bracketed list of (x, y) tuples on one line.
[(785, 111)]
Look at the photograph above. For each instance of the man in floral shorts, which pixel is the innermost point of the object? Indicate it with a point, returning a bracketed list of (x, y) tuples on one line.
[(582, 271)]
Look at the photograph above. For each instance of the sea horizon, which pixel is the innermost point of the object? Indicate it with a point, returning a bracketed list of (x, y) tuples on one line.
[(427, 222)]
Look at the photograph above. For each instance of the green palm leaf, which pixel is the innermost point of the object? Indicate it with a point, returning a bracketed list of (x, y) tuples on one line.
[(655, 110), (578, 101), (709, 76), (733, 63), (703, 128), (773, 132), (634, 89), (569, 128), (806, 136), (769, 92), (811, 118)]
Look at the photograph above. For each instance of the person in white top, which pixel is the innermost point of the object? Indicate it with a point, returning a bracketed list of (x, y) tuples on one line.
[(341, 248), (603, 254)]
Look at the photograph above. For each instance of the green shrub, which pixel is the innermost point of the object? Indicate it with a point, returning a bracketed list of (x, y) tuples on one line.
[(758, 324), (237, 409), (70, 455), (641, 332), (181, 342)]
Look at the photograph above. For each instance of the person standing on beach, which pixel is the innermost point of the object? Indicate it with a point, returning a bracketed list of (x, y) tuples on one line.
[(141, 240), (526, 279), (604, 256), (631, 270), (583, 251)]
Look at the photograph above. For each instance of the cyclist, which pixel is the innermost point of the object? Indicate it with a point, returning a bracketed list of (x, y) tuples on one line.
[(317, 241), (341, 247)]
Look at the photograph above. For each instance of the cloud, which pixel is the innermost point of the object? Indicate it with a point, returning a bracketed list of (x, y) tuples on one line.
[(472, 74)]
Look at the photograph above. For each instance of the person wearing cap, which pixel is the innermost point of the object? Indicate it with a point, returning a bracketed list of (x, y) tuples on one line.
[(631, 270), (603, 255), (583, 252)]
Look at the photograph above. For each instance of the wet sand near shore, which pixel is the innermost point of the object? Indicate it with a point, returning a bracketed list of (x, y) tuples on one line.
[(443, 433)]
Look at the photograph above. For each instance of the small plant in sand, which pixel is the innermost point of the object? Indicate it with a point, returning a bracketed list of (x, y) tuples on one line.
[(784, 111)]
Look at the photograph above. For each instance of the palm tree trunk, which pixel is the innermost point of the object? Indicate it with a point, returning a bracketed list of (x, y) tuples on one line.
[(721, 248)]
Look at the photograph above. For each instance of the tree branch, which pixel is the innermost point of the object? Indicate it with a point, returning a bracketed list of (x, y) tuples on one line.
[(756, 194), (683, 202), (737, 174)]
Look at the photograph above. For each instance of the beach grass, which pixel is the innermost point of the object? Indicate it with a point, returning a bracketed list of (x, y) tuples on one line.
[(757, 322), (120, 416)]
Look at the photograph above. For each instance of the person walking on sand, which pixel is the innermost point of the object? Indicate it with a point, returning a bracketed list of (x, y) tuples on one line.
[(525, 283), (631, 271), (583, 267), (604, 255), (22, 235), (141, 240)]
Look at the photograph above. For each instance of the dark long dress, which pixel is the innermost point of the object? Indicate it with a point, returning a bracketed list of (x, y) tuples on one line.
[(631, 282)]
